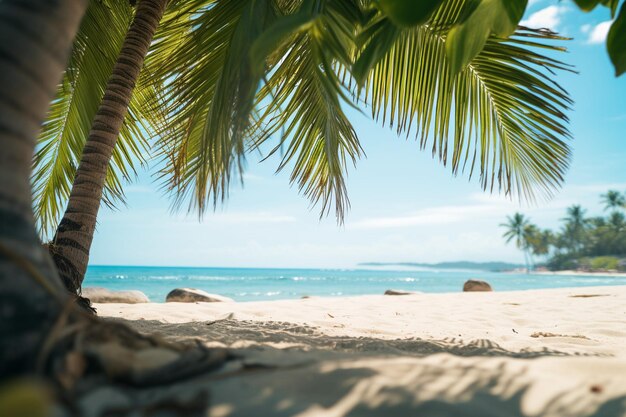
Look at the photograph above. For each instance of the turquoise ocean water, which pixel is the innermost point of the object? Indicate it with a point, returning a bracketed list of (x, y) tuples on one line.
[(249, 284)]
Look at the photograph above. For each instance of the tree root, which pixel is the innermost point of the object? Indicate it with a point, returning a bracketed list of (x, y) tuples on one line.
[(77, 351), (89, 362), (105, 368)]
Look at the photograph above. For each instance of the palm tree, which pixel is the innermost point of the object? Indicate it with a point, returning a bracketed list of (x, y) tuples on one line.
[(617, 233), (575, 227), (613, 200), (539, 241), (597, 222), (617, 222), (518, 227), (35, 43), (71, 243), (311, 59)]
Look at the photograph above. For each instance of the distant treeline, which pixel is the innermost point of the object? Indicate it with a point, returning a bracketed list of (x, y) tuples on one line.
[(582, 242), (476, 266)]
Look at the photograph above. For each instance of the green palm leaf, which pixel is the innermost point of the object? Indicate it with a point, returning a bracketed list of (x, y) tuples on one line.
[(208, 90), (502, 116), (305, 98), (71, 114)]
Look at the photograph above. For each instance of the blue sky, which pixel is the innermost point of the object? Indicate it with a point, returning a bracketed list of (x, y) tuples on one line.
[(405, 206)]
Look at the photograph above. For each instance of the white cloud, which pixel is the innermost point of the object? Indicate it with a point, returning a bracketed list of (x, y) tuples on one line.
[(233, 218), (484, 207), (549, 18), (430, 216), (599, 32), (259, 217), (585, 28), (593, 189), (143, 189), (252, 177)]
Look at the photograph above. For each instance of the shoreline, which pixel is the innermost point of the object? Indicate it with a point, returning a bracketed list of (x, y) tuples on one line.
[(409, 291)]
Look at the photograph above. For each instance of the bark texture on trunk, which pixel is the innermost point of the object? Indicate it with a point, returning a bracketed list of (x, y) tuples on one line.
[(35, 40), (72, 242)]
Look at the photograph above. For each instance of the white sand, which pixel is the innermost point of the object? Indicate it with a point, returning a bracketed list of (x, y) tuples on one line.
[(528, 353)]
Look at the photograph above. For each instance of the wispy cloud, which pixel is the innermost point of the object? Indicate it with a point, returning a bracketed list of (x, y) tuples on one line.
[(252, 217), (142, 189), (252, 177), (549, 17), (598, 188), (484, 206), (597, 33), (430, 216), (237, 218)]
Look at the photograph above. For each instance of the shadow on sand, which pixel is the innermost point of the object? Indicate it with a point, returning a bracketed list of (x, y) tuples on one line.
[(283, 335), (290, 370)]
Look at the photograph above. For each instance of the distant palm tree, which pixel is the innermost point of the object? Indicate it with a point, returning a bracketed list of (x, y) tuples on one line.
[(539, 240), (519, 228), (613, 200), (575, 215), (575, 227), (597, 222), (617, 222)]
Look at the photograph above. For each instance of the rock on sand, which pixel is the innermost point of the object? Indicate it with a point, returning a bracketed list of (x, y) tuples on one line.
[(476, 285), (399, 292), (103, 295), (192, 295)]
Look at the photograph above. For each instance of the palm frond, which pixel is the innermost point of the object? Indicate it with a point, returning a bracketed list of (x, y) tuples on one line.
[(208, 93), (71, 114), (305, 97), (502, 116)]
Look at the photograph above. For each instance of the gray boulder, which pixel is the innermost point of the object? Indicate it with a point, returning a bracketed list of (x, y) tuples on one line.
[(103, 295), (192, 295), (476, 285), (399, 292)]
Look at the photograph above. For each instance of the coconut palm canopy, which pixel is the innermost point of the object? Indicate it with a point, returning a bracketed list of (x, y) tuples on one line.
[(613, 200), (519, 228), (225, 78), (516, 227)]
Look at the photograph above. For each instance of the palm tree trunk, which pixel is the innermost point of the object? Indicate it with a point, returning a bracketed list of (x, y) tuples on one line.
[(72, 242), (35, 39)]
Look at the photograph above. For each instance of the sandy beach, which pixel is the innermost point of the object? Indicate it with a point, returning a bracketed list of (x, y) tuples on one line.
[(559, 352)]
